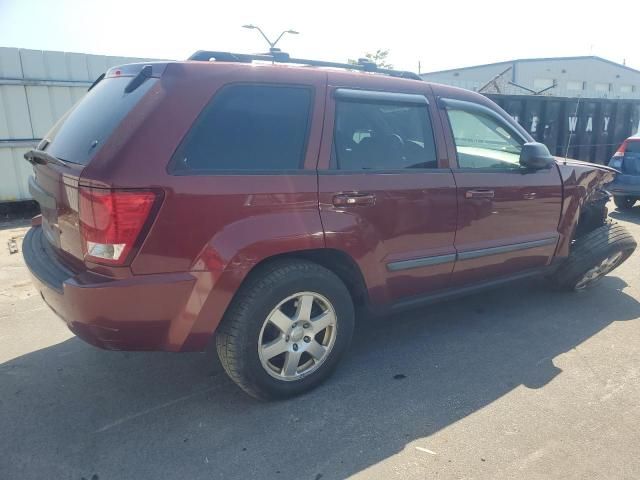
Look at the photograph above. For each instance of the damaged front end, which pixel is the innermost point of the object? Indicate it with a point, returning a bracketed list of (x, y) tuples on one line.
[(585, 197)]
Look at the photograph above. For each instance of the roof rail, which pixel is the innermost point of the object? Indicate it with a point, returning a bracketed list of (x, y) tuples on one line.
[(277, 56)]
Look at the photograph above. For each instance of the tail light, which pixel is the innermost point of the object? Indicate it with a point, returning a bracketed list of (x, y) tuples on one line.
[(621, 150), (111, 222), (616, 160)]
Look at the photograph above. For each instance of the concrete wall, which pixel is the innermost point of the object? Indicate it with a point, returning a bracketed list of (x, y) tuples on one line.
[(36, 88)]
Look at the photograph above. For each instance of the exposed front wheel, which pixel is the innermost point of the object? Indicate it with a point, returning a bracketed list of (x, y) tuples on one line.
[(624, 203), (286, 329), (593, 256)]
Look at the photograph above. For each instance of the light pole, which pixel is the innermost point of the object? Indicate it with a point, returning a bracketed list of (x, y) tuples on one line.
[(272, 45)]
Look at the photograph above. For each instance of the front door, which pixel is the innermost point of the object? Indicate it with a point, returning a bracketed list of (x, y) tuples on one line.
[(507, 215), (384, 198)]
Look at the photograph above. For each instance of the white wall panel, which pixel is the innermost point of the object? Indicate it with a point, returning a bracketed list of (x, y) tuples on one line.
[(33, 66), (77, 67), (40, 109), (36, 89), (62, 99), (10, 63), (96, 65), (14, 113), (14, 175)]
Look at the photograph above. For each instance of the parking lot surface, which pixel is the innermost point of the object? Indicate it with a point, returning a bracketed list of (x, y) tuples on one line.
[(520, 382)]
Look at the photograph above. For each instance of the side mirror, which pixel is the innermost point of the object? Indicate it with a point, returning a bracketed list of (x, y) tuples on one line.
[(536, 156)]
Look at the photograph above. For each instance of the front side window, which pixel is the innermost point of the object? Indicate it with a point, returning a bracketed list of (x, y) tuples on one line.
[(383, 136), (482, 142), (250, 128)]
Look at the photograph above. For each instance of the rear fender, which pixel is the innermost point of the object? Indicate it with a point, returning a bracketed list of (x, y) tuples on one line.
[(226, 261)]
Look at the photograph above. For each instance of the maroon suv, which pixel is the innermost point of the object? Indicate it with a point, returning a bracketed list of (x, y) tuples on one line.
[(259, 203)]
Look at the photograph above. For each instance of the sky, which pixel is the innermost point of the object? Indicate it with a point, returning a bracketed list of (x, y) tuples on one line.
[(439, 35)]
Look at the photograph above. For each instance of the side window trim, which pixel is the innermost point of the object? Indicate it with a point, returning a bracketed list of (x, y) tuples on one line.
[(349, 95), (478, 109), (472, 107), (375, 96)]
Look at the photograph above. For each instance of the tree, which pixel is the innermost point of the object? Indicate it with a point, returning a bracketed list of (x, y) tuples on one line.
[(379, 58)]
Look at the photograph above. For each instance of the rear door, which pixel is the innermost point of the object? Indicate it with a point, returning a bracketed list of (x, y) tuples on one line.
[(386, 197), (507, 215)]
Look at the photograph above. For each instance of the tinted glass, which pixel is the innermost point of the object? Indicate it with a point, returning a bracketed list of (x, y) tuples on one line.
[(633, 146), (370, 136), (248, 127), (631, 160), (81, 132), (482, 142)]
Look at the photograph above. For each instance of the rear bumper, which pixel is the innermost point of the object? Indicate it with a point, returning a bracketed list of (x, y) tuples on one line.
[(137, 313), (625, 186)]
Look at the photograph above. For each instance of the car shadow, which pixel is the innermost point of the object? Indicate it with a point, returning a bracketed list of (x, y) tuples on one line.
[(73, 411), (631, 215)]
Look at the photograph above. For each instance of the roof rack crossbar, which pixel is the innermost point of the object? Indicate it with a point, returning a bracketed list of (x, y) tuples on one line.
[(281, 57)]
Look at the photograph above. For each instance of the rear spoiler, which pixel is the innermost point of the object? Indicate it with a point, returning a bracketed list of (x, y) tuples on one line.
[(154, 69), (139, 71)]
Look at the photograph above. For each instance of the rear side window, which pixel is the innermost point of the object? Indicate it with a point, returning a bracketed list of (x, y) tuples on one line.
[(382, 136), (250, 128), (85, 128)]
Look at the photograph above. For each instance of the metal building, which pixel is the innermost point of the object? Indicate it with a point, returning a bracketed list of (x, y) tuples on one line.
[(36, 88), (585, 77)]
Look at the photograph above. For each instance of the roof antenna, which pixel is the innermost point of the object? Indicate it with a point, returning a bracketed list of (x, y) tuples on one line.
[(272, 45), (566, 152)]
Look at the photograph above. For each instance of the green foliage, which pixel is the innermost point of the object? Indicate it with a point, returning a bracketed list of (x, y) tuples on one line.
[(379, 58)]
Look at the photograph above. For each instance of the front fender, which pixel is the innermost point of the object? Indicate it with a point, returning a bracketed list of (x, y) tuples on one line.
[(584, 186)]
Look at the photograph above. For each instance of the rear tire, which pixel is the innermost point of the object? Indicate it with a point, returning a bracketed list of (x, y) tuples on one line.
[(286, 329), (624, 203), (593, 256)]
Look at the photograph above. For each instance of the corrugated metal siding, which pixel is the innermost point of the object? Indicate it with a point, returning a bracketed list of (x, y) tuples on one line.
[(36, 88), (592, 128)]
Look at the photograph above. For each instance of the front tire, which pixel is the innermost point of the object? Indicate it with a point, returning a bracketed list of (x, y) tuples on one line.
[(624, 203), (593, 256), (286, 329)]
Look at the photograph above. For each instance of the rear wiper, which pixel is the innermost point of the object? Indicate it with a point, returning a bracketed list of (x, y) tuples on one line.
[(42, 158), (97, 81)]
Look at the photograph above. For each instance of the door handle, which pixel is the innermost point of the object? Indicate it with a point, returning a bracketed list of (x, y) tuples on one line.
[(529, 196), (354, 199), (479, 194)]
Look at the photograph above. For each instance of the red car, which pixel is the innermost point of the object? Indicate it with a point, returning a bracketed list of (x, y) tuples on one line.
[(258, 204)]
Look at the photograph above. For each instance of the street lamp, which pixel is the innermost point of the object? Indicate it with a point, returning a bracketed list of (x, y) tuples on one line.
[(272, 45)]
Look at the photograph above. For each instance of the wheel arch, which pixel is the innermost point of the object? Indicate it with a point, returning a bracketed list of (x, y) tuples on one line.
[(584, 202), (337, 261)]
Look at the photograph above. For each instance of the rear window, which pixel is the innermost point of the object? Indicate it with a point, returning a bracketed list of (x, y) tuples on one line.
[(633, 146), (631, 159), (78, 136), (248, 128)]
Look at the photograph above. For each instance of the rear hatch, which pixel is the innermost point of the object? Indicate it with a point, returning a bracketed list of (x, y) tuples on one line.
[(73, 143), (631, 159)]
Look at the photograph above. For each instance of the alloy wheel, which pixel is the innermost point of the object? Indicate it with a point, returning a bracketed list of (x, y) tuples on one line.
[(599, 271), (297, 336)]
